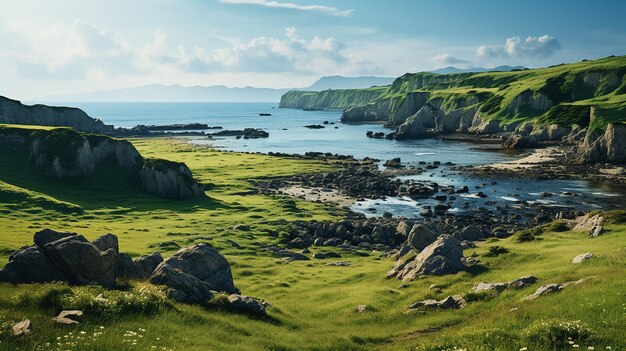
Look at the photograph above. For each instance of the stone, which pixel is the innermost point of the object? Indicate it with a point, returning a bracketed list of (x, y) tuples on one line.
[(324, 255), (588, 222), (22, 328), (107, 241), (46, 236), (81, 263), (393, 163), (194, 272), (496, 287), (242, 227), (145, 265), (523, 282), (439, 258), (247, 304), (68, 317), (338, 264), (545, 289), (293, 255), (421, 235), (30, 265), (596, 231), (470, 233), (450, 302), (582, 257), (125, 267), (517, 141), (361, 308)]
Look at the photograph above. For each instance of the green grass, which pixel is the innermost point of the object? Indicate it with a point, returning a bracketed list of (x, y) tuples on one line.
[(563, 84), (314, 304)]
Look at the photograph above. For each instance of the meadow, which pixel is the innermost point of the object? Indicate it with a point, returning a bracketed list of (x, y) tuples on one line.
[(314, 305)]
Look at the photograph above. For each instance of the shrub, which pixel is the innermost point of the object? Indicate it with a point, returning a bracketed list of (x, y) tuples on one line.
[(495, 251), (555, 335)]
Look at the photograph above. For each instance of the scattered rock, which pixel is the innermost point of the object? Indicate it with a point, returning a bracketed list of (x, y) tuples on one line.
[(496, 287), (582, 257), (324, 255), (393, 163), (193, 272), (596, 231), (450, 302), (247, 304), (22, 328), (523, 282), (361, 308), (68, 317), (338, 264)]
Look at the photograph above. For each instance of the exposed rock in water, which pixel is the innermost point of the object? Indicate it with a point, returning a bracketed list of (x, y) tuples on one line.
[(169, 179), (393, 163), (247, 133), (193, 273), (439, 258)]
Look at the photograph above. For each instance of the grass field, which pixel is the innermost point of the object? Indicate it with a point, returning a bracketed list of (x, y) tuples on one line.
[(314, 304)]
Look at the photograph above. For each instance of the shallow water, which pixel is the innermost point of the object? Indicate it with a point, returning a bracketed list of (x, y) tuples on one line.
[(288, 134)]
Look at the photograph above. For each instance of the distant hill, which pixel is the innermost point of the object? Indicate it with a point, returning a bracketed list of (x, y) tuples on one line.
[(216, 93), (452, 70)]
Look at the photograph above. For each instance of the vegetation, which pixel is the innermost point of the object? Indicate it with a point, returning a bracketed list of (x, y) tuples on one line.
[(314, 304), (572, 88)]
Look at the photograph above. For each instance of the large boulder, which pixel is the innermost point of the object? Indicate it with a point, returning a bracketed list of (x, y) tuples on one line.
[(422, 235), (439, 258), (145, 265), (30, 265), (81, 262), (193, 272), (169, 179)]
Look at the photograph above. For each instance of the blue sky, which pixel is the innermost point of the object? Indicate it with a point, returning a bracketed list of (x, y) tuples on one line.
[(60, 47)]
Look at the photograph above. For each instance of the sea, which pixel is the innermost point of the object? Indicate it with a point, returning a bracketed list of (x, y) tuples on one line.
[(288, 134)]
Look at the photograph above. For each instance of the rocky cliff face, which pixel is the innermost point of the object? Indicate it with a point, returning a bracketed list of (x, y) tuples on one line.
[(14, 112), (608, 146), (169, 179), (65, 153)]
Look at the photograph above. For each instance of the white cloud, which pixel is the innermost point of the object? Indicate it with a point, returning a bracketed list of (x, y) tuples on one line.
[(333, 11), (535, 47), (445, 59)]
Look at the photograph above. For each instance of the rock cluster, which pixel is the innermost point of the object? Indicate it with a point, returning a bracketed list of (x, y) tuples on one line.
[(450, 302), (520, 283)]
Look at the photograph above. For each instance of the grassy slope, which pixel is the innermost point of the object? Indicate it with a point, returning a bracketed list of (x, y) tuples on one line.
[(498, 89), (314, 303)]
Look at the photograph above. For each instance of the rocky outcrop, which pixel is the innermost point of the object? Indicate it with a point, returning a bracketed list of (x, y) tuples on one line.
[(14, 112), (169, 179), (529, 102), (59, 256), (439, 258), (193, 273), (609, 146)]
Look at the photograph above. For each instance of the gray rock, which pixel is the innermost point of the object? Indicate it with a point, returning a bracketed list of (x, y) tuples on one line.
[(125, 267), (107, 241), (30, 265), (145, 265), (441, 257), (81, 262), (324, 255), (195, 271), (46, 236), (421, 235), (496, 287), (469, 233), (293, 255), (596, 231), (582, 257), (247, 304), (545, 289), (450, 302), (523, 282)]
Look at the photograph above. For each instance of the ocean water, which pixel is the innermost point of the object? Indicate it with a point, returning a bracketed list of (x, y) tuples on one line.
[(288, 134)]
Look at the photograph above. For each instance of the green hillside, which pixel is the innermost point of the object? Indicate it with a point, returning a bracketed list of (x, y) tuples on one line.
[(565, 94)]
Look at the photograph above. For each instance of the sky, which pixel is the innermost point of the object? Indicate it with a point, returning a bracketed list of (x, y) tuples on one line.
[(58, 47)]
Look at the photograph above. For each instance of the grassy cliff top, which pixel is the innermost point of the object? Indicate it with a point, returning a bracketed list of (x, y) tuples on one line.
[(572, 90)]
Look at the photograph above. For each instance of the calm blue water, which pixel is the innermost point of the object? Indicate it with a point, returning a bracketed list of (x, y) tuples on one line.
[(287, 131), (288, 134)]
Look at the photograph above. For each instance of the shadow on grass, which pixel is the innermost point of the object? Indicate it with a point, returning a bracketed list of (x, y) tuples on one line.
[(475, 270)]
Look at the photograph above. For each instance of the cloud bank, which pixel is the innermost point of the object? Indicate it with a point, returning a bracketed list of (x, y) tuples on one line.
[(329, 10), (533, 47)]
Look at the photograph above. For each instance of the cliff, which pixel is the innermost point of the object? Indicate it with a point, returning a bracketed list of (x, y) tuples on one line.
[(519, 106), (64, 153), (14, 112)]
